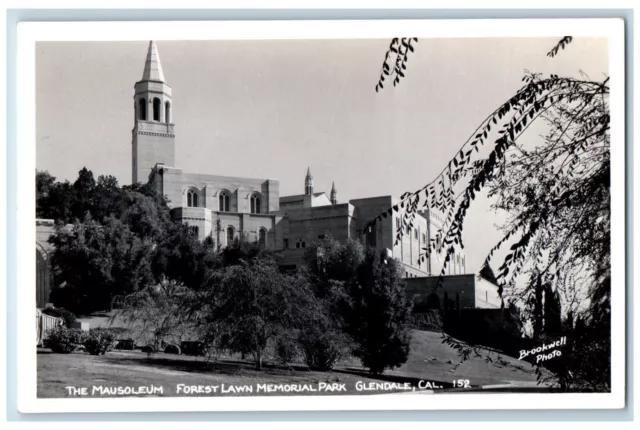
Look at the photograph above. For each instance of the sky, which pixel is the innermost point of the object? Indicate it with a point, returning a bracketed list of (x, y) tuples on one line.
[(270, 109)]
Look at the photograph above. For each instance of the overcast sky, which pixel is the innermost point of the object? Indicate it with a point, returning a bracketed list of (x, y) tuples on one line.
[(269, 109)]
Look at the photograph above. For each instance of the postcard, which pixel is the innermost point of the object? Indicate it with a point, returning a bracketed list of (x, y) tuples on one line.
[(321, 215)]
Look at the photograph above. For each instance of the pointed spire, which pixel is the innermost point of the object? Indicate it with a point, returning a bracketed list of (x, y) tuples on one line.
[(152, 66), (308, 183), (334, 194)]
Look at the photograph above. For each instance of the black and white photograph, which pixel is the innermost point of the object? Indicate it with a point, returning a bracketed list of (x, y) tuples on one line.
[(393, 218)]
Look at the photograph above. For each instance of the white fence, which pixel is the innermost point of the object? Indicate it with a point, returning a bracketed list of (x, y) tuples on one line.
[(43, 323)]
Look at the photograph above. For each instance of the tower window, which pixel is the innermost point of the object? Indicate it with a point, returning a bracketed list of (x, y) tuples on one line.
[(262, 237), (255, 204), (167, 112), (230, 234), (415, 234), (157, 106), (194, 230), (192, 199), (142, 109), (224, 202), (285, 243)]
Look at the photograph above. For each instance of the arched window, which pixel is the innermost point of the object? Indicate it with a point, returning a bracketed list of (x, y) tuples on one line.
[(224, 201), (230, 234), (255, 204), (142, 109), (167, 112), (157, 106), (262, 237), (192, 199)]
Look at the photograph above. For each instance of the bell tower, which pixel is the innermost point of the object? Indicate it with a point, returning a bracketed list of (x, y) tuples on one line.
[(153, 139)]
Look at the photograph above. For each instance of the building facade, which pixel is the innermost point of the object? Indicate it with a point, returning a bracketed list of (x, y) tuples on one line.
[(228, 208)]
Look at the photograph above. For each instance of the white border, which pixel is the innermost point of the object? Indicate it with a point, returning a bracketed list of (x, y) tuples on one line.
[(29, 33)]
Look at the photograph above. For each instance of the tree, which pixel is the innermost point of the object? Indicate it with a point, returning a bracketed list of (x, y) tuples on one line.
[(157, 313), (54, 200), (552, 312), (247, 305), (44, 184), (378, 314), (95, 262), (83, 189), (556, 190)]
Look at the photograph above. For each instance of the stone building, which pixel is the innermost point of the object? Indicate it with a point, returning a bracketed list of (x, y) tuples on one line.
[(228, 208), (225, 208)]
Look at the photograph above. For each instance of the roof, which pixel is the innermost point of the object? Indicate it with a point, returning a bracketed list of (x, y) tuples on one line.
[(297, 197), (152, 66)]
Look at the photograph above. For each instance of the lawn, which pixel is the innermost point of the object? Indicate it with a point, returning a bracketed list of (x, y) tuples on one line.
[(430, 361)]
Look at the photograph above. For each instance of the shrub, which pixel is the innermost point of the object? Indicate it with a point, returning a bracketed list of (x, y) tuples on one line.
[(125, 344), (68, 316), (193, 348), (286, 349), (323, 346), (98, 341), (63, 340), (172, 349)]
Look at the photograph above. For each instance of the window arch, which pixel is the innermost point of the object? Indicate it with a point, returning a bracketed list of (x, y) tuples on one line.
[(142, 109), (256, 202), (230, 235), (192, 199), (224, 202), (167, 112), (262, 237), (157, 106)]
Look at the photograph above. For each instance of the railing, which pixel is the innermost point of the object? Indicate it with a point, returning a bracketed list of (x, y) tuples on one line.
[(43, 323)]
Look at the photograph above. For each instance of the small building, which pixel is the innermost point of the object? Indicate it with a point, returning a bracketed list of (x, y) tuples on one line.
[(466, 291)]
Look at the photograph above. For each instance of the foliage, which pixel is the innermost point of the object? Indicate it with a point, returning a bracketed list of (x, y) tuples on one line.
[(322, 349), (552, 311), (98, 341), (286, 348), (98, 262), (556, 192), (395, 60), (157, 314), (246, 305), (122, 239), (243, 250), (360, 306), (378, 314), (68, 316), (63, 340)]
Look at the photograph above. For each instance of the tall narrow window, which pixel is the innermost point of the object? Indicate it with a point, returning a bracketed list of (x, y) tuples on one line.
[(285, 243), (142, 109), (194, 230), (229, 236), (167, 112), (192, 199), (262, 237), (157, 105), (224, 202), (255, 204)]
